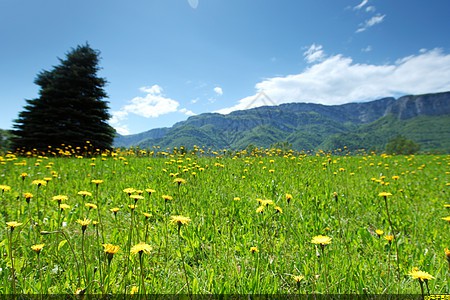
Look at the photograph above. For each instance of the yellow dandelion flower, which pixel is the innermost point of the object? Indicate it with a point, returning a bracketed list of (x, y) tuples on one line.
[(446, 219), (147, 215), (389, 238), (39, 182), (150, 191), (298, 278), (254, 249), (37, 248), (5, 188), (134, 290), (379, 232), (64, 206), (97, 181), (447, 205), (167, 197), (136, 197), (260, 209), (321, 240), (129, 191), (90, 206), (110, 250), (132, 206), (13, 224), (141, 248), (278, 210), (84, 193), (288, 198), (421, 275), (447, 254), (237, 199), (60, 198), (114, 210), (179, 181), (384, 194), (179, 220), (84, 223)]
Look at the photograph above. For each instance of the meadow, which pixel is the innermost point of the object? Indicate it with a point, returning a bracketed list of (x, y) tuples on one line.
[(202, 222)]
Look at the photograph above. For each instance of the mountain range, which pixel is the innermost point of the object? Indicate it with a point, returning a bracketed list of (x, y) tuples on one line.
[(424, 119)]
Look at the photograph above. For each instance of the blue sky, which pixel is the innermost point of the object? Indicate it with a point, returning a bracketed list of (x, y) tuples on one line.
[(166, 60)]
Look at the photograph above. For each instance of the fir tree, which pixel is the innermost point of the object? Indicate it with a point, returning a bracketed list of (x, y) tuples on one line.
[(70, 110)]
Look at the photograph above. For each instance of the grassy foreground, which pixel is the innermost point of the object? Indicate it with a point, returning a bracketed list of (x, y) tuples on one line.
[(266, 222)]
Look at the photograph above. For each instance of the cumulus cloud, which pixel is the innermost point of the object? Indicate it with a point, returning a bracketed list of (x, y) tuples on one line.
[(218, 90), (371, 22), (338, 79), (154, 104)]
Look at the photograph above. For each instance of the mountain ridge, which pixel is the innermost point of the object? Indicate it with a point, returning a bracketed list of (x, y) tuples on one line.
[(306, 126)]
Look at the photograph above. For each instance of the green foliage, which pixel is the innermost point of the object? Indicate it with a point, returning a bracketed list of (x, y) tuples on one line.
[(70, 109), (401, 145)]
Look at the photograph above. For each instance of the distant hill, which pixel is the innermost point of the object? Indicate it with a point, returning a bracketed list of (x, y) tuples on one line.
[(425, 119)]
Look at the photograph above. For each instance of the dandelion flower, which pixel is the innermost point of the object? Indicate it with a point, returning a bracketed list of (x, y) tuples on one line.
[(150, 191), (114, 210), (97, 181), (84, 193), (389, 238), (141, 248), (384, 194), (179, 220), (39, 182), (446, 219), (84, 223), (421, 275), (278, 209), (447, 254), (298, 278), (379, 232), (28, 197), (5, 188), (260, 209), (321, 240), (254, 249), (13, 224), (64, 206), (37, 248), (60, 198), (110, 250), (179, 181), (136, 197), (129, 191), (90, 206), (167, 198), (288, 198)]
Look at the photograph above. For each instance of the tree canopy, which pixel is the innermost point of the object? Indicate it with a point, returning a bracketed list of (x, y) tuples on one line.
[(70, 109)]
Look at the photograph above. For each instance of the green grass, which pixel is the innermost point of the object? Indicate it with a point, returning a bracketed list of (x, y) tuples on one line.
[(212, 253)]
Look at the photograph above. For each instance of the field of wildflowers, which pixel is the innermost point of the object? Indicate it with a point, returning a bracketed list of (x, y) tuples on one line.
[(203, 222)]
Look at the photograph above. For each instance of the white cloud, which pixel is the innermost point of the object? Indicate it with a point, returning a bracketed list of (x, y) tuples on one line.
[(187, 112), (218, 90), (371, 22), (314, 53), (154, 104), (338, 80), (361, 5)]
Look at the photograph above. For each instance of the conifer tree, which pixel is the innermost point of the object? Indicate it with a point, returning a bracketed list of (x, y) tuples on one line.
[(70, 109)]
